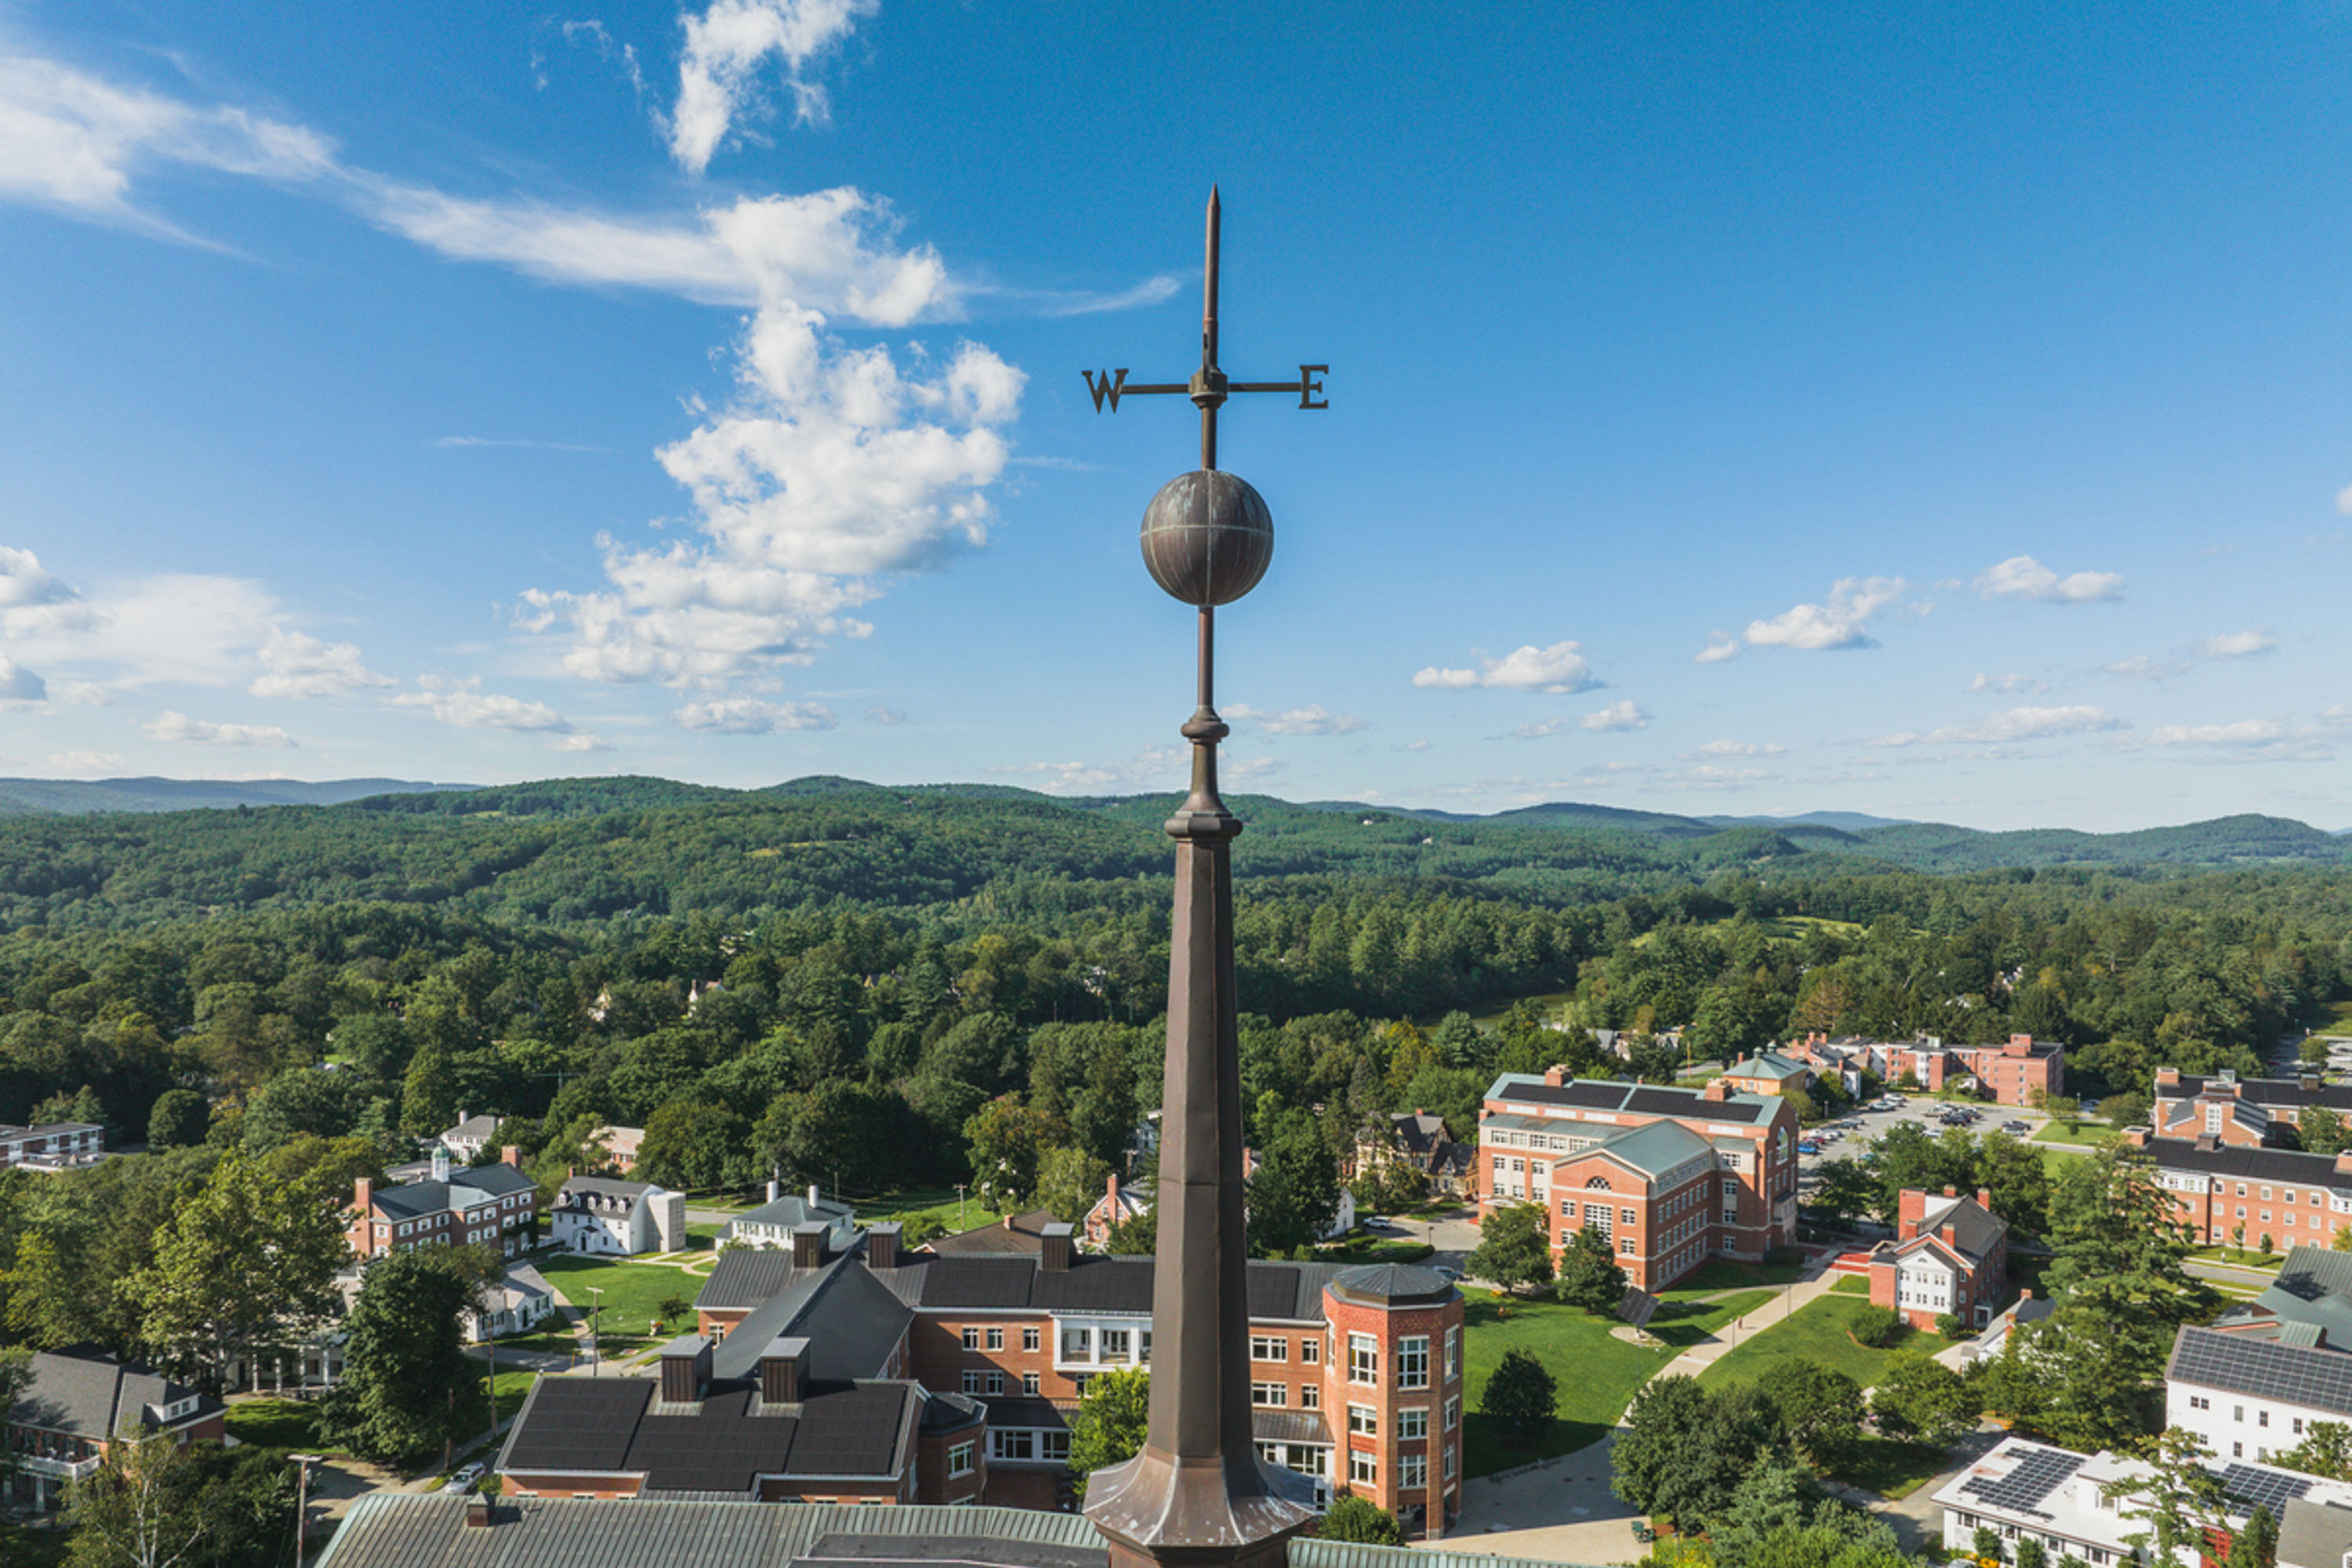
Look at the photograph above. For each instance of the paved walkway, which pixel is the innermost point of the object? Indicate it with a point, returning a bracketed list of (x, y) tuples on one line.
[(1784, 1305)]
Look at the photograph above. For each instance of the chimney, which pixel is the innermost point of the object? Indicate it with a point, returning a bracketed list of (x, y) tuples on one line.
[(808, 1244), (1951, 1234), (2136, 1136), (1555, 1075), (882, 1245), (773, 1192), (2309, 1082), (2168, 1078), (481, 1511), (783, 1371), (364, 1194), (684, 1368), (2344, 1164), (2025, 1295), (813, 1199), (1111, 1193), (1984, 1199), (2019, 1045), (511, 1155), (462, 1117), (1055, 1256), (1715, 1089)]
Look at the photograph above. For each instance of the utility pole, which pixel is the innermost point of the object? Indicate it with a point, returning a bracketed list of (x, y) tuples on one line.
[(595, 1348), (302, 1463), (962, 1220)]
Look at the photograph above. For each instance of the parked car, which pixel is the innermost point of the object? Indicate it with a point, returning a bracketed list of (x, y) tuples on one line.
[(1808, 1147), (464, 1476)]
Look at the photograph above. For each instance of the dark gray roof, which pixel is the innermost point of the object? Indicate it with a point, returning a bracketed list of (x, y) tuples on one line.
[(608, 1186), (2286, 1165), (1013, 1283), (1649, 1100), (477, 1128), (2314, 1534), (90, 1393), (417, 1199), (1395, 1284), (2266, 1369), (851, 1319), (745, 1277), (1014, 1233), (614, 1425), (795, 1209), (2265, 1091), (2313, 1286), (412, 1529), (1418, 1131), (1976, 1230)]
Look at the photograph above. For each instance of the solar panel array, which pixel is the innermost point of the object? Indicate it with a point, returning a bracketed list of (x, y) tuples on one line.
[(2037, 1473), (2263, 1369), (2249, 1489), (579, 1423)]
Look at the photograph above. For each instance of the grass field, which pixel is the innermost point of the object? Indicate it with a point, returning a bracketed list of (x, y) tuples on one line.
[(939, 1203), (2237, 1259), (633, 1293), (2056, 1163), (1724, 1274), (2075, 1130), (270, 1423), (2339, 1019), (1598, 1373), (1888, 1467), (1817, 1332), (1851, 1285), (22, 1547)]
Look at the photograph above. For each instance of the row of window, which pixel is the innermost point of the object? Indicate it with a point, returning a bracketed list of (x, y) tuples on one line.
[(1413, 1422), (1412, 1358), (1276, 1347), (1413, 1469), (994, 1339), (1027, 1443)]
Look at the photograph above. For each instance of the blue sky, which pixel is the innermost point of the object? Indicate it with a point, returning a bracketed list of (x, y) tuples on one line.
[(1733, 409)]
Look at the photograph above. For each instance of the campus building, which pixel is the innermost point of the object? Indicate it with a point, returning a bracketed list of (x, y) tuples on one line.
[(2248, 1398), (1670, 1177), (76, 1404), (2228, 1191), (2242, 1112), (492, 1205), (2014, 1071), (1949, 1256)]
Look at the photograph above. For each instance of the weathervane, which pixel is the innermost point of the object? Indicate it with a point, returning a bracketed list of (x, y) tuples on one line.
[(1198, 1496)]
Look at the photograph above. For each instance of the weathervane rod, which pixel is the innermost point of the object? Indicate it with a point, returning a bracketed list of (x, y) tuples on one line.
[(1209, 337)]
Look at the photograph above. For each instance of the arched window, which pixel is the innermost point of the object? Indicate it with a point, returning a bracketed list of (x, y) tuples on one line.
[(1600, 1181)]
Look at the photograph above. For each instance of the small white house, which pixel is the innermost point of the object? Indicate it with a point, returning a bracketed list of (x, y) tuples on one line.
[(607, 1217), (512, 1304), (470, 1136), (774, 1222)]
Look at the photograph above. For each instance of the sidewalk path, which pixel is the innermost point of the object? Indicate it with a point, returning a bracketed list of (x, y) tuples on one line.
[(1786, 1301)]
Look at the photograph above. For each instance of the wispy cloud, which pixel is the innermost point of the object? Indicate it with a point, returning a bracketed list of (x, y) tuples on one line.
[(2012, 725), (1840, 621), (727, 48), (300, 665), (2023, 578), (752, 716), (1720, 645), (1308, 721), (2007, 684), (18, 684), (885, 716), (1153, 769), (1619, 715), (2236, 644), (466, 707), (1558, 669), (178, 726), (1717, 749)]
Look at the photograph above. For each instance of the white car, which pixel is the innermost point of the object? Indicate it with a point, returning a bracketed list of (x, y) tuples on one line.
[(464, 1476)]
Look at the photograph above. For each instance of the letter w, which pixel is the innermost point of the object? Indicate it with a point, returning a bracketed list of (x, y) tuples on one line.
[(1109, 387)]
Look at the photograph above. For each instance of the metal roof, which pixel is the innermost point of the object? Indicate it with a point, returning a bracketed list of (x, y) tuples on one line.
[(2267, 1369), (1646, 1100), (2287, 1166)]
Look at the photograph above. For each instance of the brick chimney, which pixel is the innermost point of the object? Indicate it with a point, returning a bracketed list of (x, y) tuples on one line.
[(783, 1371), (1555, 1075), (481, 1511), (808, 1244), (1054, 1258), (364, 1194), (2168, 1078), (2344, 1164), (882, 1245), (2019, 1045), (1950, 1191), (1715, 1091), (684, 1368), (511, 1155), (2136, 1136), (1951, 1234), (2309, 1082), (1984, 1199), (1910, 1208)]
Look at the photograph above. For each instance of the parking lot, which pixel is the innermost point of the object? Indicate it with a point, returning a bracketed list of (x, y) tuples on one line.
[(1847, 1136)]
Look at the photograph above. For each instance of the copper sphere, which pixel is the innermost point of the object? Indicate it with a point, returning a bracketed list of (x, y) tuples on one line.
[(1207, 537)]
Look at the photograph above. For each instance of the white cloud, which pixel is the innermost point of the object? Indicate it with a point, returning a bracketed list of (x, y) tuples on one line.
[(2012, 725), (2344, 500), (302, 666), (2245, 731), (578, 741), (2140, 666), (726, 47), (1720, 645), (2008, 683), (1153, 769), (2023, 578), (886, 716), (1559, 669), (463, 705), (25, 581), (1412, 746), (1309, 721), (1714, 749), (750, 716), (83, 762), (1843, 622), (178, 726), (2236, 644), (1618, 715), (18, 684)]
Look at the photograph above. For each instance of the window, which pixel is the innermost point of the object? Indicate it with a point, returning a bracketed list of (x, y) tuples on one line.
[(1363, 1468), (2237, 1412), (1310, 1396), (1013, 1445), (1053, 1445), (1363, 1418), (1078, 1381), (1453, 1353), (996, 1339), (1412, 1471), (2262, 1417), (972, 1339), (1450, 1452), (1029, 1338), (1273, 1395), (1413, 1423), (1628, 1216), (1117, 1344), (1029, 1385), (1269, 1347), (972, 1381), (1625, 1245), (995, 1382), (1077, 1344), (2298, 1426), (1412, 1361), (960, 1459), (1310, 1351), (1452, 1413), (1363, 1359)]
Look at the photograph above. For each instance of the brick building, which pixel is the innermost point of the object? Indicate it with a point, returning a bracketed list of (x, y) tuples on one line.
[(52, 1145), (76, 1403), (487, 1204), (2012, 1072), (1949, 1254), (1672, 1177), (2297, 1199), (1356, 1374), (2243, 1112)]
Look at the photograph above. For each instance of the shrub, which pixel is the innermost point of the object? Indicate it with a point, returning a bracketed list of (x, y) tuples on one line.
[(1950, 1327), (1876, 1327), (1358, 1519)]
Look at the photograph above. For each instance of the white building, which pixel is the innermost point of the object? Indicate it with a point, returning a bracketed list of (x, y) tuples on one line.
[(470, 1136), (774, 1222), (605, 1216), (2248, 1396), (512, 1304), (2063, 1499)]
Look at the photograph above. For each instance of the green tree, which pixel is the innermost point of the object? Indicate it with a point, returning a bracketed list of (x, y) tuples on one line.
[(1136, 1236), (428, 1094), (2120, 1257), (1294, 1195), (1819, 1408), (1683, 1452), (1359, 1518), (1920, 1397), (1109, 1427), (1007, 1141), (2325, 1450), (246, 1264), (1847, 1191), (1513, 1251), (2322, 1131), (2178, 1503), (137, 1510), (2030, 1553), (1070, 1182), (1520, 1396), (2255, 1545), (406, 1371), (692, 1146), (178, 1119), (1590, 1276)]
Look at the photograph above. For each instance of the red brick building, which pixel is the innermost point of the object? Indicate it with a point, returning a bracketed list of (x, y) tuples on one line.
[(486, 1203), (1949, 1254), (2242, 1112), (77, 1402), (1671, 1176), (2219, 1189), (2011, 1072)]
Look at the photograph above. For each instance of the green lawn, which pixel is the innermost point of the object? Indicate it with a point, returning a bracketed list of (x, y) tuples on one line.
[(1362, 1246), (939, 1203), (2075, 1130), (2056, 1163), (272, 1423), (1851, 1285), (1597, 1372), (1890, 1469), (1817, 1332), (2339, 1019), (2237, 1259), (1724, 1274), (22, 1547), (632, 1291)]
